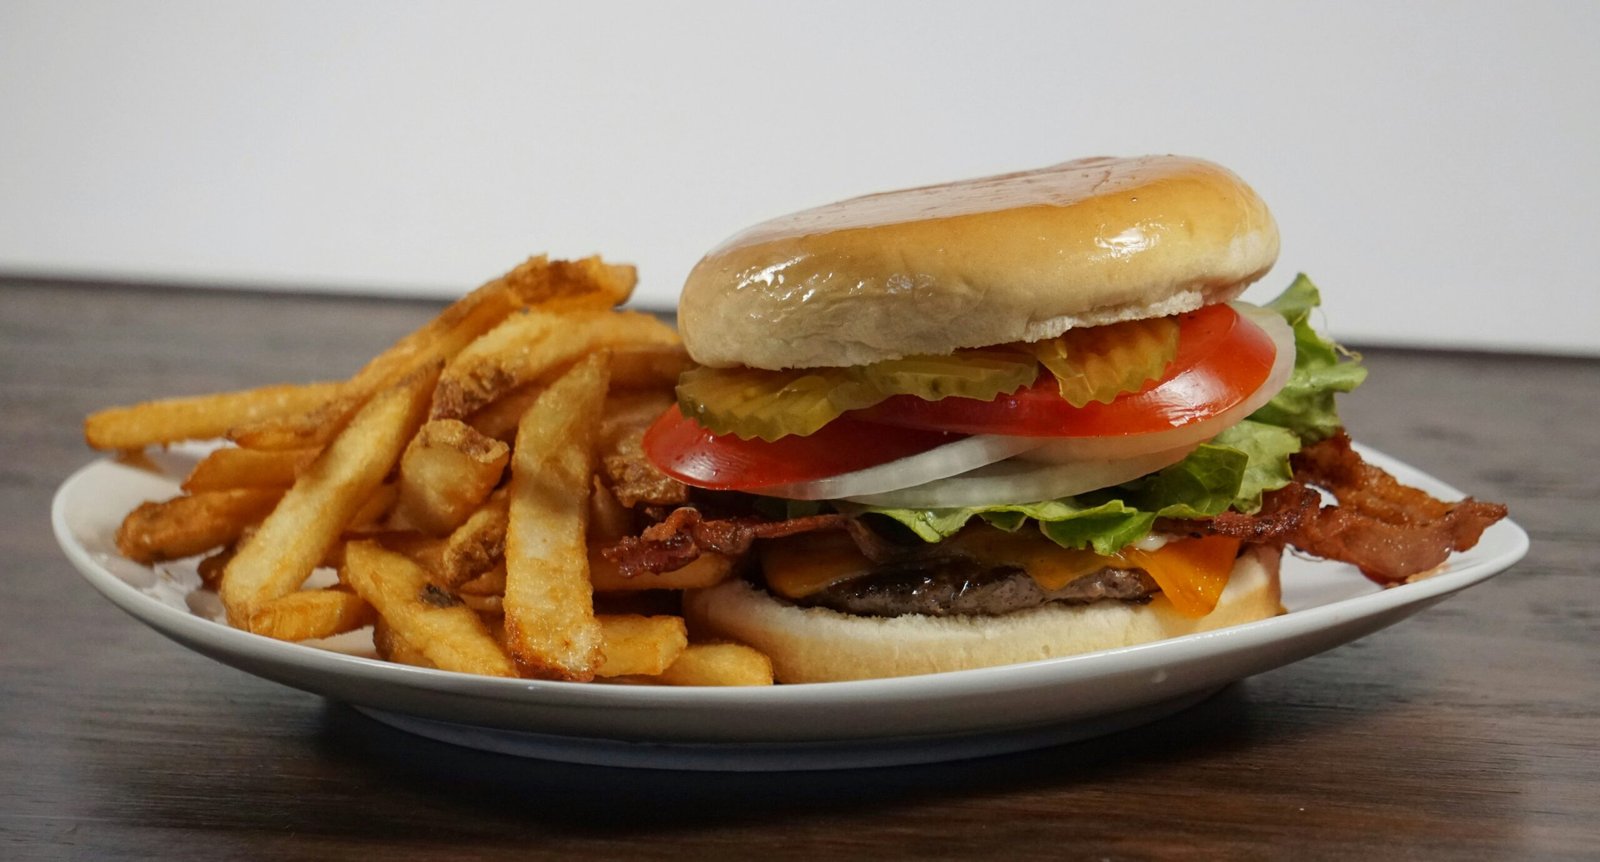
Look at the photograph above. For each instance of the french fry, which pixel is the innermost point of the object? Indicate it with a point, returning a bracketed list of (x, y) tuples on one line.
[(583, 283), (299, 532), (706, 571), (311, 614), (499, 418), (417, 546), (201, 417), (718, 664), (232, 467), (445, 474), (637, 371), (605, 285), (628, 474), (210, 568), (391, 647), (633, 479), (528, 347), (436, 623), (375, 509), (608, 519), (490, 583), (639, 645), (549, 604), (192, 524), (475, 547), (648, 366), (485, 606), (308, 429), (631, 410)]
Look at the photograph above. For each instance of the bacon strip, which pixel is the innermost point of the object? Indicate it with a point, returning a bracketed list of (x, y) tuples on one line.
[(685, 535), (1388, 530), (1282, 513)]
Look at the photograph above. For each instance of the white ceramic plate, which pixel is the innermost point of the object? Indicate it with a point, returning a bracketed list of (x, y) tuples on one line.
[(820, 726)]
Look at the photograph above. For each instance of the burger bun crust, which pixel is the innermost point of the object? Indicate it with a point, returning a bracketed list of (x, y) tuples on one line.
[(1015, 257)]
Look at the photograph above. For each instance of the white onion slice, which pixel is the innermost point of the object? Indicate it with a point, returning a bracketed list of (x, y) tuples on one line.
[(950, 459), (1067, 449), (1018, 481)]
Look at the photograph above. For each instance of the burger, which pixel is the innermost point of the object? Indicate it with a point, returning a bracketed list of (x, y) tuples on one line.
[(1012, 418)]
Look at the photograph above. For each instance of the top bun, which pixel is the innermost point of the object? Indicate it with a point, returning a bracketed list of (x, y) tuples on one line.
[(1015, 257)]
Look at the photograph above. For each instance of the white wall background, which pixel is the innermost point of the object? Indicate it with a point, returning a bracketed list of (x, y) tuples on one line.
[(1432, 164)]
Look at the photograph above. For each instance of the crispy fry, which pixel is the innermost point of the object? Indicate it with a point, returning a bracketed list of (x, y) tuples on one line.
[(436, 341), (608, 519), (210, 568), (648, 366), (418, 546), (608, 284), (311, 614), (490, 583), (445, 474), (631, 410), (485, 606), (549, 604), (529, 347), (499, 418), (433, 621), (632, 644), (300, 531), (628, 474), (472, 549), (392, 647), (634, 480), (375, 508), (307, 429), (718, 664), (232, 467), (707, 570), (193, 524), (638, 371), (200, 417)]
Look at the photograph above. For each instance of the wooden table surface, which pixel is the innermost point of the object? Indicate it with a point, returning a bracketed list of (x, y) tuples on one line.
[(1469, 731)]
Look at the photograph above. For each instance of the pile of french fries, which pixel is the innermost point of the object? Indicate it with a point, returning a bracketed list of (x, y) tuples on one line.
[(459, 485)]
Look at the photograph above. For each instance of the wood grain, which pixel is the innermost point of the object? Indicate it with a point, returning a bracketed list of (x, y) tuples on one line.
[(1467, 732)]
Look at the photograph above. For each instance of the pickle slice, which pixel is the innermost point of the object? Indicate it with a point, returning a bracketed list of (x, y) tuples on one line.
[(981, 374), (752, 403), (1099, 363)]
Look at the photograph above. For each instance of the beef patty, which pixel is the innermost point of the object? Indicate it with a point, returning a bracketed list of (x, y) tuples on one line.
[(960, 586)]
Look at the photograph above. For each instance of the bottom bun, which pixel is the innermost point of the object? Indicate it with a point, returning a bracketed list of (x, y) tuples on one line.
[(823, 645)]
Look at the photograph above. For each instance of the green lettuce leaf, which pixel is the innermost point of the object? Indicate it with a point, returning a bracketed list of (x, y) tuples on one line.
[(1306, 404), (1267, 449), (1070, 522)]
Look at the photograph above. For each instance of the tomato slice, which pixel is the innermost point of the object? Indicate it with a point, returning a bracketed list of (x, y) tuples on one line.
[(1222, 358), (686, 451)]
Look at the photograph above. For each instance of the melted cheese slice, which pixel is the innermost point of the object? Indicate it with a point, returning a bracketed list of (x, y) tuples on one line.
[(797, 566), (1191, 572)]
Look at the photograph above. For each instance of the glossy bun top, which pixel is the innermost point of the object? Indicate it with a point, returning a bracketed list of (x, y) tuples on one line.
[(1014, 257)]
